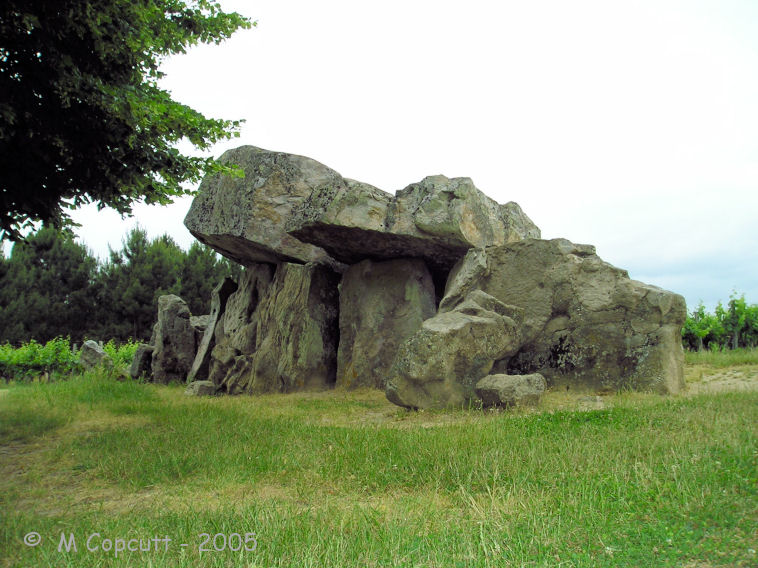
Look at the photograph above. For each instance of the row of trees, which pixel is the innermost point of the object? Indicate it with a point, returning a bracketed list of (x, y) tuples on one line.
[(53, 286), (728, 327)]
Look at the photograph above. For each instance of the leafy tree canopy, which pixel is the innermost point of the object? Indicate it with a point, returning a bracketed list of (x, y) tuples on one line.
[(82, 118)]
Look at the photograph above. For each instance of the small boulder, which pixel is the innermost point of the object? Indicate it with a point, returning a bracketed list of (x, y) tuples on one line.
[(200, 388), (142, 362), (511, 390), (92, 356)]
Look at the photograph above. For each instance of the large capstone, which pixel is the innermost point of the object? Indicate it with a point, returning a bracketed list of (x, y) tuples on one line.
[(381, 305), (173, 340), (586, 324), (243, 217), (441, 363), (437, 219), (280, 331)]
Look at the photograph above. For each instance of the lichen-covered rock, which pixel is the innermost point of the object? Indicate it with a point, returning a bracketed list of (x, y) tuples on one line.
[(92, 356), (586, 324), (511, 390), (243, 217), (437, 219), (219, 298), (280, 331), (440, 364), (173, 340), (142, 362), (381, 305)]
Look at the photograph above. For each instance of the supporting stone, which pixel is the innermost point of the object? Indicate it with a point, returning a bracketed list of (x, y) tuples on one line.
[(219, 297), (381, 305)]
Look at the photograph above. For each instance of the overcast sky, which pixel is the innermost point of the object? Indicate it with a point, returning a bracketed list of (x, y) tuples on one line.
[(632, 126)]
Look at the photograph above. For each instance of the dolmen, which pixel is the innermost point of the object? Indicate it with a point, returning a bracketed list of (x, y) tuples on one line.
[(423, 293)]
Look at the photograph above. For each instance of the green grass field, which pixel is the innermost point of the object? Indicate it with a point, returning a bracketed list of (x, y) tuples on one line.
[(347, 479)]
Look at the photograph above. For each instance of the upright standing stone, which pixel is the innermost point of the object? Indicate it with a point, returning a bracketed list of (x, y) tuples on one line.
[(142, 362), (381, 305), (235, 331), (92, 356), (219, 297), (298, 329), (173, 340), (279, 332)]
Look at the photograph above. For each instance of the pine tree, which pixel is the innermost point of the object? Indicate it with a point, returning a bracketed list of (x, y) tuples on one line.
[(46, 289), (134, 279)]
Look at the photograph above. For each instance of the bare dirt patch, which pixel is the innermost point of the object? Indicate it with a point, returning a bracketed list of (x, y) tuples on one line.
[(707, 379)]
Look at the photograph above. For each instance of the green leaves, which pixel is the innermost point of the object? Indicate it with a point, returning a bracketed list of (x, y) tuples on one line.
[(82, 118), (731, 327)]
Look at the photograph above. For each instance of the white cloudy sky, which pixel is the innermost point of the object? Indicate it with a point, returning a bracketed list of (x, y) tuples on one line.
[(629, 125)]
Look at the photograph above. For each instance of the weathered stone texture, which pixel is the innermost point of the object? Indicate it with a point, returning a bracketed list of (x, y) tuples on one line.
[(219, 297), (142, 362), (92, 356), (437, 220), (511, 390), (381, 305), (173, 341), (586, 324), (243, 217), (201, 388), (440, 364), (510, 305), (280, 331)]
